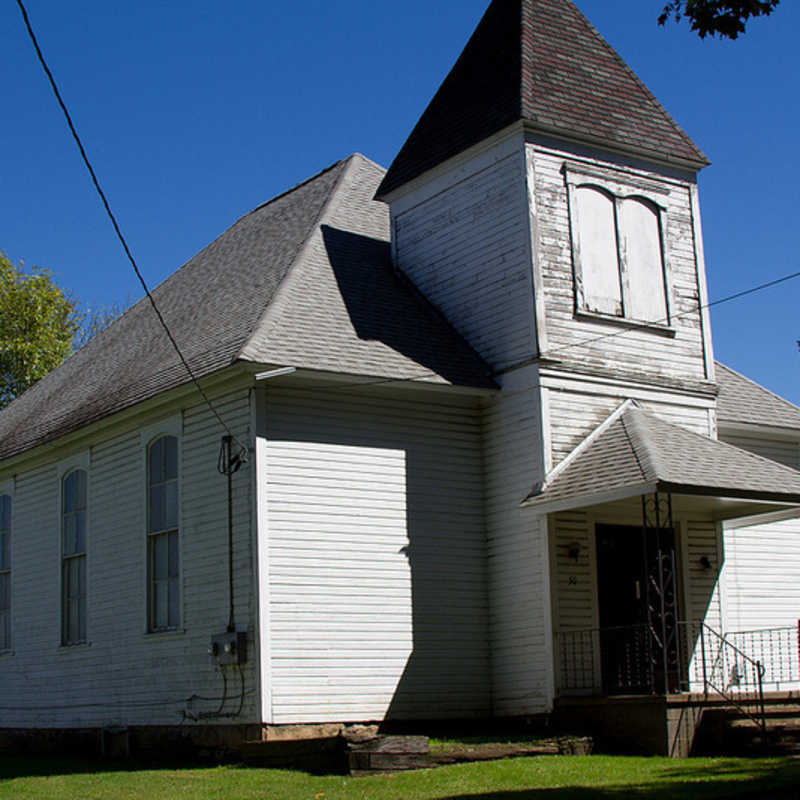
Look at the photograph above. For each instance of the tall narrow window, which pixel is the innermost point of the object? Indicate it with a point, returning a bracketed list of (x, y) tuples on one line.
[(5, 572), (73, 557), (162, 534)]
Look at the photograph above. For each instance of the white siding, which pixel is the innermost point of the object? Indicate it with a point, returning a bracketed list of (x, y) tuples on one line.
[(634, 350), (123, 675), (377, 556), (467, 248), (574, 415), (780, 450), (761, 578), (518, 558)]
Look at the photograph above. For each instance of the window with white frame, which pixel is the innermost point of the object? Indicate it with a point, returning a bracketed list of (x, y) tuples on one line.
[(5, 572), (163, 558), (619, 247), (73, 557)]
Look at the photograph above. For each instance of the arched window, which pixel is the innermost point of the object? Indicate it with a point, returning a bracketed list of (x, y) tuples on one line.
[(73, 557), (618, 248), (5, 572), (163, 559)]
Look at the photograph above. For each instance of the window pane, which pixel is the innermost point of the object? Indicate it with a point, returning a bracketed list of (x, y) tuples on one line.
[(161, 601), (160, 557), (5, 591), (173, 602), (70, 534), (641, 240), (80, 531), (170, 505), (5, 630), (170, 457), (80, 487), (156, 509), (5, 555), (597, 251), (173, 554), (157, 461), (5, 512)]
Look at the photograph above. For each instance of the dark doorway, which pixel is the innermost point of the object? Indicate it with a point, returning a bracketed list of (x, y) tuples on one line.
[(637, 604)]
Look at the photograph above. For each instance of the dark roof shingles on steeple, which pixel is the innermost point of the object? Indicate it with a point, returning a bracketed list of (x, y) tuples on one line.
[(544, 62)]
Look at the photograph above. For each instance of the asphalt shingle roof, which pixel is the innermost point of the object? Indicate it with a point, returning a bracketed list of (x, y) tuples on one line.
[(635, 448), (742, 400), (541, 61), (304, 280)]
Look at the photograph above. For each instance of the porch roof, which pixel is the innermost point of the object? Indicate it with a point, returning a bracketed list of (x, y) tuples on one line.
[(634, 452)]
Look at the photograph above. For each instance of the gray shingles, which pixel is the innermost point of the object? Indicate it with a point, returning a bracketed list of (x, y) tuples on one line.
[(639, 448), (741, 400), (215, 306)]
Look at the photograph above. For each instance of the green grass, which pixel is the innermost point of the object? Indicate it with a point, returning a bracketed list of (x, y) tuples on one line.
[(548, 778)]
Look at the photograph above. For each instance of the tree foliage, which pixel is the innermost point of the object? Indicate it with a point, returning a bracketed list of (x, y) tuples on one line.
[(38, 323), (726, 18)]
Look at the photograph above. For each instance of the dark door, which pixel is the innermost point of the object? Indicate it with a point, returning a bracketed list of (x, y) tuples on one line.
[(635, 582)]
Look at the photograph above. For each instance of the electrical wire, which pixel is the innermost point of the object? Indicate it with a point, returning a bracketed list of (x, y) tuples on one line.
[(591, 340), (116, 226), (414, 377)]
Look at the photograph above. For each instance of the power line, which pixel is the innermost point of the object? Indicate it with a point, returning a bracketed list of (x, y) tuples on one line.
[(117, 229), (665, 320), (592, 340)]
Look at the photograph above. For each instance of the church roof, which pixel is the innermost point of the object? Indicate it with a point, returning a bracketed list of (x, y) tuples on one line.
[(634, 452), (744, 401), (304, 280), (541, 61)]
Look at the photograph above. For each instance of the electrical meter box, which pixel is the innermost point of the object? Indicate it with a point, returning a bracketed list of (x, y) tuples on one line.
[(229, 647)]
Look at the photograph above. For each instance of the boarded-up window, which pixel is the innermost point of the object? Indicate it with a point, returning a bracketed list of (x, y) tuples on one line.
[(618, 250), (643, 260), (597, 244)]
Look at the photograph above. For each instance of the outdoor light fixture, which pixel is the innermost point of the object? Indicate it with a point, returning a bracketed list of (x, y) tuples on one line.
[(574, 550)]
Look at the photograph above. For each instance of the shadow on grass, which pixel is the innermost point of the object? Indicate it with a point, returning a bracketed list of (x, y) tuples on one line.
[(777, 780)]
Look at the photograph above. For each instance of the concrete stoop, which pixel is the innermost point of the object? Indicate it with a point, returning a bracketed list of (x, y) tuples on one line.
[(725, 730)]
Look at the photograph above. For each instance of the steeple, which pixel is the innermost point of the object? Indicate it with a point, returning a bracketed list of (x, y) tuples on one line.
[(543, 62)]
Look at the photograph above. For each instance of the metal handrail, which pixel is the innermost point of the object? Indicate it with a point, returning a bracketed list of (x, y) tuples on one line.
[(738, 700)]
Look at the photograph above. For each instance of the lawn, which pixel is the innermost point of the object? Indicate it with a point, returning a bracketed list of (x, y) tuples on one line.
[(547, 777)]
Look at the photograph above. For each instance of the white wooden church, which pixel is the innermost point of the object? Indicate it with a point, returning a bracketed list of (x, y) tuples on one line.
[(483, 462)]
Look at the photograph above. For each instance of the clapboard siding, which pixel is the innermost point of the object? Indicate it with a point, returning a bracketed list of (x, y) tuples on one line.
[(518, 557), (632, 349), (377, 554), (761, 579), (123, 675), (575, 591), (780, 450), (574, 415), (701, 592), (467, 248)]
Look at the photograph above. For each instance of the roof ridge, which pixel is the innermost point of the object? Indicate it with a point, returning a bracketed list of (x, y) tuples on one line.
[(647, 461), (580, 447), (275, 304)]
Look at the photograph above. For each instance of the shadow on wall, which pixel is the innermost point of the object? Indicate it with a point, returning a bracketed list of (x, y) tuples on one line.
[(384, 306), (397, 516)]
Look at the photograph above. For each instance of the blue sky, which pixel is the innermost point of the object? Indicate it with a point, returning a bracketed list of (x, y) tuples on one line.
[(195, 112)]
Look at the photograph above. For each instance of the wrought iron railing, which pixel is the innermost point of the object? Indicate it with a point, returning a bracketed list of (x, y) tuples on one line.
[(778, 651), (632, 660), (720, 669)]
